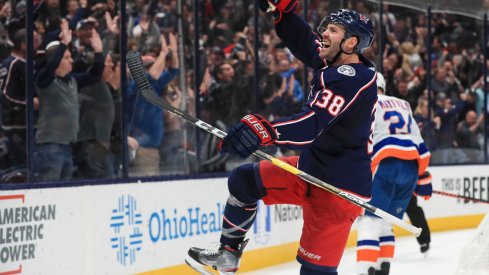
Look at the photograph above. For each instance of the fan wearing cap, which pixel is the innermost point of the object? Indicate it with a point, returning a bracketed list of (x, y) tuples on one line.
[(58, 119), (82, 49), (91, 152), (97, 111)]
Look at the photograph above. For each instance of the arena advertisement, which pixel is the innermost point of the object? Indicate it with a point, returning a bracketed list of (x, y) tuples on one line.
[(24, 225), (124, 228), (471, 181), (141, 227)]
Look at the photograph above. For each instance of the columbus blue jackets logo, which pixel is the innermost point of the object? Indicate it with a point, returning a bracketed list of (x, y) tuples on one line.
[(346, 70), (364, 18)]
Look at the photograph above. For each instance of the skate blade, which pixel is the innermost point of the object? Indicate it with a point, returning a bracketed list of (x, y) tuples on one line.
[(198, 267), (201, 269)]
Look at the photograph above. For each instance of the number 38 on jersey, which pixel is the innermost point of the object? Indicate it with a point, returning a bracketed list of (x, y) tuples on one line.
[(329, 101)]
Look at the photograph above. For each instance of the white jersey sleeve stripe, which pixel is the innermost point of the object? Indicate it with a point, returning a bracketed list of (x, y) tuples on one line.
[(308, 115)]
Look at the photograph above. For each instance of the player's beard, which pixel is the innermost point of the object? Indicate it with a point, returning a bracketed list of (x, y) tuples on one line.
[(330, 52)]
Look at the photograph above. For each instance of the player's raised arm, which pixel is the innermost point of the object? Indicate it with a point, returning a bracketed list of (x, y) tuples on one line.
[(294, 31), (301, 40)]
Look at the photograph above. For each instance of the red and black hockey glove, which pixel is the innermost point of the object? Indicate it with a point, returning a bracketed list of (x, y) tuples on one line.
[(424, 188), (278, 7), (248, 135)]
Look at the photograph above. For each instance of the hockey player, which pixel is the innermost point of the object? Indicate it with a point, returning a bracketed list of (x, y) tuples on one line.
[(399, 156), (332, 131)]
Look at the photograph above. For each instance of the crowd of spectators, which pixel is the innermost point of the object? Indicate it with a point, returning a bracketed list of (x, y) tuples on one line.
[(78, 91)]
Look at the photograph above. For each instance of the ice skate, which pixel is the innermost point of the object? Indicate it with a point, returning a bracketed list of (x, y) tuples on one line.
[(384, 269), (225, 260), (425, 249)]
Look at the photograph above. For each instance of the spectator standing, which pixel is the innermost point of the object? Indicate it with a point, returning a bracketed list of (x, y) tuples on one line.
[(112, 76), (176, 147), (448, 113), (75, 10), (428, 126), (58, 120), (13, 100), (92, 156), (273, 95), (294, 95), (229, 95), (469, 131), (91, 153), (146, 120)]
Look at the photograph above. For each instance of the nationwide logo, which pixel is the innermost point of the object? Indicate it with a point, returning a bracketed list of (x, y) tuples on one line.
[(127, 225), (263, 225)]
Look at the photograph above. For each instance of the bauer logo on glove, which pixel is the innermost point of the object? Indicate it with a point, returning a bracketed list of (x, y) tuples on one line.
[(258, 128), (248, 135)]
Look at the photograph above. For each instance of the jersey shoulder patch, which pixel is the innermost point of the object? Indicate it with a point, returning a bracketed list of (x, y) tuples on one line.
[(346, 70)]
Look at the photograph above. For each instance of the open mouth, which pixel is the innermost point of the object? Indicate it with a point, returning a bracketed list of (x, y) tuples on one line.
[(325, 44)]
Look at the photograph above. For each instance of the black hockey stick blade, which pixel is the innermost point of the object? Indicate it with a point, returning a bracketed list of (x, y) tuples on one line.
[(138, 72)]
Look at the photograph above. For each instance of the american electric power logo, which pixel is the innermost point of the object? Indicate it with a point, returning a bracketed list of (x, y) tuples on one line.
[(127, 225), (21, 231)]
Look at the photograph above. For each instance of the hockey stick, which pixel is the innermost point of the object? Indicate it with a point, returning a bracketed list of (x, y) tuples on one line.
[(458, 196), (137, 70)]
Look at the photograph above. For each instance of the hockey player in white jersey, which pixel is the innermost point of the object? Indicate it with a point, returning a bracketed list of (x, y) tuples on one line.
[(399, 163)]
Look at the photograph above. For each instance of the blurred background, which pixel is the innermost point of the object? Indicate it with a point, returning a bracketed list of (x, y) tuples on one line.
[(217, 60)]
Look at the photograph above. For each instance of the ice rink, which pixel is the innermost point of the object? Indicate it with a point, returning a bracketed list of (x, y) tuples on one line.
[(441, 259)]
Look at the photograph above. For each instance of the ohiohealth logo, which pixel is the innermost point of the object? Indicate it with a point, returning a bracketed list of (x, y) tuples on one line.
[(263, 225), (127, 226)]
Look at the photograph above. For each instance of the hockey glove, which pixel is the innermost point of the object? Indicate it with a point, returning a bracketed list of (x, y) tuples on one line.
[(277, 7), (424, 187), (248, 135)]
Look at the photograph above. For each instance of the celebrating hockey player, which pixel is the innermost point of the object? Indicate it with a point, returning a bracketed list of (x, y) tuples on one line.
[(332, 131), (400, 155)]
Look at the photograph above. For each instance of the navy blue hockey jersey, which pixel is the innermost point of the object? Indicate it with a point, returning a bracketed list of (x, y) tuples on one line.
[(333, 129), (13, 99)]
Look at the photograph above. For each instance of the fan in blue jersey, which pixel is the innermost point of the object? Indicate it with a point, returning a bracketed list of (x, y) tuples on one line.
[(13, 100), (332, 131), (399, 161)]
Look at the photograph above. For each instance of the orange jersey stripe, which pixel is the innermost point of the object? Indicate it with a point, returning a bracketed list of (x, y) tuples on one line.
[(367, 255), (386, 251), (401, 154)]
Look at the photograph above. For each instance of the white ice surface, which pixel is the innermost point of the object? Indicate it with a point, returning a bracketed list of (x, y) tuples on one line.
[(442, 257)]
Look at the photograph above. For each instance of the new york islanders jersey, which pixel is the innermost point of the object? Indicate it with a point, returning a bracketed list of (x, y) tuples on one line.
[(396, 134), (333, 128)]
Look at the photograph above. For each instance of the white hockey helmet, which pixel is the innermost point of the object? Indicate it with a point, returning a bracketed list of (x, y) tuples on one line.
[(380, 82)]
